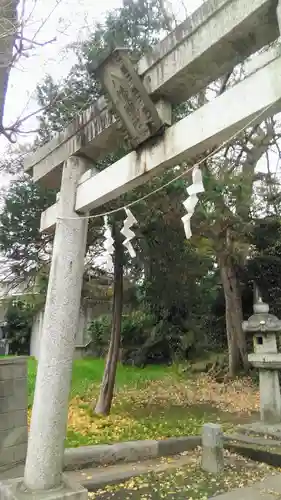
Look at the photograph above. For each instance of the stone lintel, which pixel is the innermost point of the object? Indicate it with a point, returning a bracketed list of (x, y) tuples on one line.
[(175, 146), (208, 44)]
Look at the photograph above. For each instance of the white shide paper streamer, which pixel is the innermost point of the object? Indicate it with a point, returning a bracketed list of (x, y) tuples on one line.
[(108, 244), (128, 233), (192, 200)]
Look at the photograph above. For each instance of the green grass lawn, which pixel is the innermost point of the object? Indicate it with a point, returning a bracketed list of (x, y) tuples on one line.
[(151, 403), (88, 373)]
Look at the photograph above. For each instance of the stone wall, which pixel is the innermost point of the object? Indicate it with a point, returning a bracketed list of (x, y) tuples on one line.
[(13, 416), (88, 311)]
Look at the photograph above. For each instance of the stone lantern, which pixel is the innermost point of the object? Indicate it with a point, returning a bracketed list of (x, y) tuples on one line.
[(265, 327)]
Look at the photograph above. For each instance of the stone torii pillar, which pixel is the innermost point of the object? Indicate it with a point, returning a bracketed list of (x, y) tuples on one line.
[(49, 414), (44, 464)]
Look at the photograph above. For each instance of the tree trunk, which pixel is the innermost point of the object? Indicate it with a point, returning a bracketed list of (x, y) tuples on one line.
[(104, 403), (237, 346), (233, 350)]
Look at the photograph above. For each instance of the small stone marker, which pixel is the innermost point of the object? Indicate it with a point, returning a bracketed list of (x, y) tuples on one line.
[(212, 448), (4, 347)]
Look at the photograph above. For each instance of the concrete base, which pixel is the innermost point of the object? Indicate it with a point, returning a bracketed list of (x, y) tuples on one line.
[(12, 472), (261, 429), (14, 489)]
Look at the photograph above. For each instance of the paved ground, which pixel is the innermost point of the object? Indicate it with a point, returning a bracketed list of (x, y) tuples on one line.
[(180, 478), (269, 489), (125, 494)]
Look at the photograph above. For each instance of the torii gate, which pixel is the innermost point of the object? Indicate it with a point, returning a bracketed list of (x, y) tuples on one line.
[(220, 34)]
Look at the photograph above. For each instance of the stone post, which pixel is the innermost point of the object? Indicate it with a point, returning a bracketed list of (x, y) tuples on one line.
[(44, 463), (13, 416), (212, 448)]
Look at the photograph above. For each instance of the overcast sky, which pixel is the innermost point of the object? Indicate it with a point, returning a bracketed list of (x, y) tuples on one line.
[(67, 21)]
